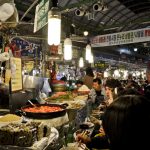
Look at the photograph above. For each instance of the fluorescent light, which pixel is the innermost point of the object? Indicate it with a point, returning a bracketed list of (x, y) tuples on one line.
[(85, 33), (88, 52), (67, 49), (91, 60), (54, 27), (135, 49), (81, 62)]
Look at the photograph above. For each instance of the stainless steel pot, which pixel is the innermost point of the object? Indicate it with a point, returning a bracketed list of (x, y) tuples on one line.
[(32, 82)]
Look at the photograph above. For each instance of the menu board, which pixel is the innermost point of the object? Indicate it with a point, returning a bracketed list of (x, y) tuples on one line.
[(16, 74)]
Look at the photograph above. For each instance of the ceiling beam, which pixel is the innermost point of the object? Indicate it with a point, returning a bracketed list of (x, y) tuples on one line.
[(138, 19), (31, 6)]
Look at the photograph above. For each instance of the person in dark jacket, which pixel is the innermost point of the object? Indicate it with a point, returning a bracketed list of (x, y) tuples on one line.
[(99, 141), (95, 94), (147, 86), (126, 123)]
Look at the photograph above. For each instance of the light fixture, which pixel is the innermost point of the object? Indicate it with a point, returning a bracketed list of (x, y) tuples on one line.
[(80, 12), (85, 33), (116, 73), (81, 62), (54, 26), (135, 49), (91, 60), (88, 52), (105, 74), (100, 6), (97, 7), (67, 49)]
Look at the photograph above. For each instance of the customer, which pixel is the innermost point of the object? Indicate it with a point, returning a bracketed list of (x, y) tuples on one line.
[(88, 78), (101, 141), (97, 142), (126, 123), (112, 88), (147, 86)]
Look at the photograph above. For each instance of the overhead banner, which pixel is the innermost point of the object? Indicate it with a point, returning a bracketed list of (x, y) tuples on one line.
[(133, 36)]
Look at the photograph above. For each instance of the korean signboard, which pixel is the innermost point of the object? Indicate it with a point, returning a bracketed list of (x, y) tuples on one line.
[(133, 36)]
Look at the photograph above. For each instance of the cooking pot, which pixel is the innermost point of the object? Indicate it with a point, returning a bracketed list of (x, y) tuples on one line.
[(43, 115)]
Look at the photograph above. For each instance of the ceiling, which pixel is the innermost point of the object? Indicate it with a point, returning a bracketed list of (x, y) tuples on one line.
[(118, 15), (122, 15)]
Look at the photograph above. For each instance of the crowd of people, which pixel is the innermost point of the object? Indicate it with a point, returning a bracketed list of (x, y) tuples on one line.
[(125, 121)]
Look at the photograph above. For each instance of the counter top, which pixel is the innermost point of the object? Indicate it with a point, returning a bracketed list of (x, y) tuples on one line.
[(54, 122)]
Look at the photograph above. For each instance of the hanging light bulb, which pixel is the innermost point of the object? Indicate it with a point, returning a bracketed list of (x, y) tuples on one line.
[(54, 26), (81, 62), (67, 49), (105, 74), (91, 60), (88, 52), (116, 73), (85, 33)]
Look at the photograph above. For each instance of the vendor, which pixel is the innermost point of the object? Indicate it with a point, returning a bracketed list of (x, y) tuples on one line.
[(81, 88), (88, 78), (79, 83), (96, 93)]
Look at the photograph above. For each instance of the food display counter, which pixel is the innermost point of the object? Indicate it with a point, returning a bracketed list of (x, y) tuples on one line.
[(75, 114), (30, 134)]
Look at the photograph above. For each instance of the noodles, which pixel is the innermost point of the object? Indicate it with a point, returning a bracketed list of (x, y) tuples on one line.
[(9, 118)]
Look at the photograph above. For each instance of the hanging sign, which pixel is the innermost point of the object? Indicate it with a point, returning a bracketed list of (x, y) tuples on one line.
[(41, 15), (133, 36), (100, 64), (16, 74)]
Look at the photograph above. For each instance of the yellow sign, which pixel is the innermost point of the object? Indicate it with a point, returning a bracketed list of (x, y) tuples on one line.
[(7, 76), (16, 74)]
